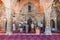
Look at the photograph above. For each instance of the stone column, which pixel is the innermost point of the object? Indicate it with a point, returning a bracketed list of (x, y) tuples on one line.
[(47, 19), (47, 10), (8, 12), (9, 21)]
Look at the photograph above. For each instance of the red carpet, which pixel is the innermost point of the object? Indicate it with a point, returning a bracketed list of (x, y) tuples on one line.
[(29, 37)]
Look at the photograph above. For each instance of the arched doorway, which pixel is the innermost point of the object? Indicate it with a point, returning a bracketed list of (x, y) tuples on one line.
[(58, 20), (52, 24)]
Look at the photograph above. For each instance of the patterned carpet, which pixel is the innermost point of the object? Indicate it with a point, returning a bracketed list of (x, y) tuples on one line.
[(29, 37)]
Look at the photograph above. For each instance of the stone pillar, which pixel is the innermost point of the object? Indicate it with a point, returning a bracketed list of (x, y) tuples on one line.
[(47, 19), (55, 17), (9, 21), (47, 10), (8, 12), (56, 23)]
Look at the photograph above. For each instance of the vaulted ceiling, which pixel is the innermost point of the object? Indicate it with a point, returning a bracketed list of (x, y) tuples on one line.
[(35, 2)]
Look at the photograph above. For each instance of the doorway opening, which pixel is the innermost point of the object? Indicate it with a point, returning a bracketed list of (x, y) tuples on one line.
[(52, 25)]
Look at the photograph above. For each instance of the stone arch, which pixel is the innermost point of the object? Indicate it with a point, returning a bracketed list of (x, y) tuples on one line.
[(36, 3), (39, 7), (21, 5), (52, 23), (33, 5)]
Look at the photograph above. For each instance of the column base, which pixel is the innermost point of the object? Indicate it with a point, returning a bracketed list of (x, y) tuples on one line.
[(8, 33), (48, 31)]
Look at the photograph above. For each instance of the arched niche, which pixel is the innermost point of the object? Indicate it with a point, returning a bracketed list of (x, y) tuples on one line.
[(52, 23)]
